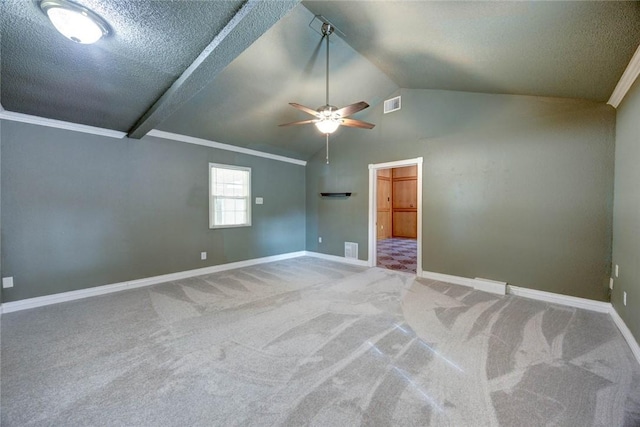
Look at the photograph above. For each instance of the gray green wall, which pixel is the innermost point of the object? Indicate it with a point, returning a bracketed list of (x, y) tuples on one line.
[(81, 210), (517, 189), (626, 211)]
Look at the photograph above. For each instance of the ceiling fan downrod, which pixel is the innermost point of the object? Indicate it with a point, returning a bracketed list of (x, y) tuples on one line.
[(327, 30)]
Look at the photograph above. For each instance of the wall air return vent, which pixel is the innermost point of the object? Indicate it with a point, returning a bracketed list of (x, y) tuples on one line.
[(350, 250), (391, 105)]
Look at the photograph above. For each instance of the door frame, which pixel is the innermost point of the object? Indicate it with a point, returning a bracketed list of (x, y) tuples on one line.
[(373, 214)]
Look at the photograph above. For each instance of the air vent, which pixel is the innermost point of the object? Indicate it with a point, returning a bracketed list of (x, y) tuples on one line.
[(350, 250), (391, 105)]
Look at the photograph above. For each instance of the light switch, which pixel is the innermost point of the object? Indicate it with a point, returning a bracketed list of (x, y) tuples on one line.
[(7, 282), (258, 200)]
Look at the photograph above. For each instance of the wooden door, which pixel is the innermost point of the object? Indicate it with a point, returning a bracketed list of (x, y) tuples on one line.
[(405, 202), (383, 198)]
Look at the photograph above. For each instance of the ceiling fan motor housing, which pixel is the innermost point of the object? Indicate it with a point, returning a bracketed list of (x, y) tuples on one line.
[(329, 111)]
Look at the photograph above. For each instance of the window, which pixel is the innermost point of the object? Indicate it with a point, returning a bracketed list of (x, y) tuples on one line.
[(229, 196)]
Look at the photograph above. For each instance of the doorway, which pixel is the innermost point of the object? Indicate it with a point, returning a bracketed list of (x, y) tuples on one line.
[(395, 215)]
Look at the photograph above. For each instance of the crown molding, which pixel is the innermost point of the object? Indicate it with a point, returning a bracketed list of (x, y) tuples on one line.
[(59, 124), (628, 77), (221, 146)]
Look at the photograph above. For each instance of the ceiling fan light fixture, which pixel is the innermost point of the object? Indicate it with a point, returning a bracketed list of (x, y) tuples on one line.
[(328, 125), (328, 118), (75, 22)]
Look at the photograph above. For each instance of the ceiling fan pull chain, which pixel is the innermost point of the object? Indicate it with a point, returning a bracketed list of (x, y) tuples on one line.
[(327, 135)]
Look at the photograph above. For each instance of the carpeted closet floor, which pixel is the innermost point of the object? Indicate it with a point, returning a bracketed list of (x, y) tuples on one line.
[(312, 342)]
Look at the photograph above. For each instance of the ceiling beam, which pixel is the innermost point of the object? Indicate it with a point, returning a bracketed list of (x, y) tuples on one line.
[(253, 19)]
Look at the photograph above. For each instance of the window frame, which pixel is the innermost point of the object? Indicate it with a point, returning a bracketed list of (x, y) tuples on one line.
[(212, 197)]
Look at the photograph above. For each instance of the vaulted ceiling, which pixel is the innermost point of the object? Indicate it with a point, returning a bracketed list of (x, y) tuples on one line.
[(226, 70)]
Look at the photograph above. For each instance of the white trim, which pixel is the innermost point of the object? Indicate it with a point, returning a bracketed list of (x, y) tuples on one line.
[(584, 303), (221, 146), (41, 121), (484, 285), (372, 229), (344, 260), (456, 280), (59, 124), (373, 168), (628, 77), (25, 304), (397, 163), (626, 333)]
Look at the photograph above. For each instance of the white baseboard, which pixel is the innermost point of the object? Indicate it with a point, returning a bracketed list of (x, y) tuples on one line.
[(626, 333), (342, 259), (587, 304), (28, 303), (485, 285)]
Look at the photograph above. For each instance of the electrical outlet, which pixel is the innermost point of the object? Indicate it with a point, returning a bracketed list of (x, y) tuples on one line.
[(7, 282), (617, 271), (611, 283), (259, 200), (624, 298), (203, 255), (319, 239)]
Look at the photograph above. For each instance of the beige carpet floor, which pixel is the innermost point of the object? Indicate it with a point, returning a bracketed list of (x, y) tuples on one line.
[(313, 342)]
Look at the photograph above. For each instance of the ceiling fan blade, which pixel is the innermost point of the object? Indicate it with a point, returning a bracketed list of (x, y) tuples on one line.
[(352, 109), (305, 109), (357, 124), (301, 122)]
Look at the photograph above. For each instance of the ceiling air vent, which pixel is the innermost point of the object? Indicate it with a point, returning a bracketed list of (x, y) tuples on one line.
[(391, 105)]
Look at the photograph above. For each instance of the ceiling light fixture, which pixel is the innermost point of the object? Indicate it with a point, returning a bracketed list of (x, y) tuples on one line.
[(75, 22), (329, 120)]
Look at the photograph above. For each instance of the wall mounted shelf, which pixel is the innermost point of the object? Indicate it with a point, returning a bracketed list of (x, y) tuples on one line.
[(335, 194)]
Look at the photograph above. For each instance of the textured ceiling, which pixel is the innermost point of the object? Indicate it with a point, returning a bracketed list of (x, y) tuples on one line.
[(557, 49), (245, 103), (113, 82), (570, 49)]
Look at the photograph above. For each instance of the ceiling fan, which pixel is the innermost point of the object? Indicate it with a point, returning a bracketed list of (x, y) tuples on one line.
[(329, 118)]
